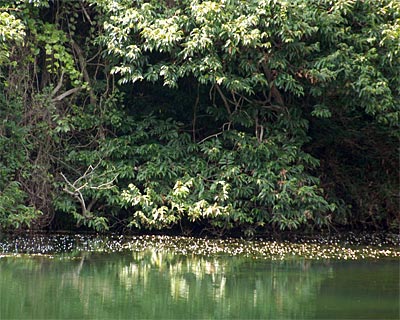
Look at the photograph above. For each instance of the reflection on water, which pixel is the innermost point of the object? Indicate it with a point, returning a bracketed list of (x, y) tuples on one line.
[(228, 287), (160, 284)]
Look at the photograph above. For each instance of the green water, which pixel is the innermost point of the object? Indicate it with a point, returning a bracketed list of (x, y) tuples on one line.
[(161, 285)]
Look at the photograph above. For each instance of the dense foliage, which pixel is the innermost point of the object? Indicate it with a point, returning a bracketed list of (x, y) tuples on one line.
[(223, 115)]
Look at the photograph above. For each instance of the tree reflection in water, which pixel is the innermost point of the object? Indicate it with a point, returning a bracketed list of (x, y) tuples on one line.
[(231, 285), (163, 284), (158, 284)]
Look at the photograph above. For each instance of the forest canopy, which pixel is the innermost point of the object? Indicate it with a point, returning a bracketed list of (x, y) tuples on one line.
[(226, 116)]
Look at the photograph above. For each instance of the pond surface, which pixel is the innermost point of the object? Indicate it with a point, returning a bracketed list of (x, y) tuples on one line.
[(154, 283)]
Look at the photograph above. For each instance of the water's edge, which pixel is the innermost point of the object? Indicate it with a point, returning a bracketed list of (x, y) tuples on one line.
[(349, 247)]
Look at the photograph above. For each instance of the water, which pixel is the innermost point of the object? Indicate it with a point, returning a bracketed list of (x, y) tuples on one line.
[(160, 284)]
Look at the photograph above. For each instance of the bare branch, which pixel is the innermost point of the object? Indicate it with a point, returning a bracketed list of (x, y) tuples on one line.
[(69, 183), (85, 13), (75, 192), (82, 63), (75, 188), (211, 136), (228, 124), (224, 99), (66, 94), (59, 85), (259, 131), (106, 185)]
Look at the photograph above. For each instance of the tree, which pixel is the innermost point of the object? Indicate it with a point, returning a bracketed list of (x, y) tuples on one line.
[(256, 168), (268, 64), (230, 114)]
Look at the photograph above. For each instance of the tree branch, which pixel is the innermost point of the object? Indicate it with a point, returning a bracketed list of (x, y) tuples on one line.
[(82, 64), (224, 99), (274, 92), (66, 94), (59, 85), (75, 188), (76, 193)]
